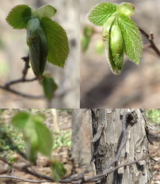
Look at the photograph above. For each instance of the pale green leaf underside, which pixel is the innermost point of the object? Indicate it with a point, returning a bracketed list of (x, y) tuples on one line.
[(58, 47), (45, 11), (101, 12), (132, 38), (19, 16)]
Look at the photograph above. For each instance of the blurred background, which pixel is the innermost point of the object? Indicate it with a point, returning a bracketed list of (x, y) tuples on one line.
[(136, 86), (13, 46)]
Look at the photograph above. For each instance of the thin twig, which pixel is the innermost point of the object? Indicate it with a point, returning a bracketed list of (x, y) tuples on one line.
[(150, 39), (21, 179), (91, 179), (21, 94), (19, 80), (26, 170), (80, 177)]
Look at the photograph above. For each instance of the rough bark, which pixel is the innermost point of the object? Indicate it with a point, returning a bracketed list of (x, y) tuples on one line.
[(135, 147), (107, 147)]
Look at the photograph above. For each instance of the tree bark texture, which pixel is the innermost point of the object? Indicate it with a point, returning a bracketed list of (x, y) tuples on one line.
[(109, 143)]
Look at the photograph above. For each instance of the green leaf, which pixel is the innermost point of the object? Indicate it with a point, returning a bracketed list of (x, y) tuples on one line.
[(49, 86), (58, 170), (19, 16), (101, 12), (45, 11), (58, 47), (31, 141), (132, 38), (20, 119), (45, 140)]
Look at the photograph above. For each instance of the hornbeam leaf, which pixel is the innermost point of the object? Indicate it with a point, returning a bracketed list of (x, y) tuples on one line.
[(132, 38), (19, 16), (58, 47), (101, 12)]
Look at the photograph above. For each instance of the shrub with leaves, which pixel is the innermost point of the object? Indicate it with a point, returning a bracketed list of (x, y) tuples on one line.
[(120, 33), (38, 138), (46, 39)]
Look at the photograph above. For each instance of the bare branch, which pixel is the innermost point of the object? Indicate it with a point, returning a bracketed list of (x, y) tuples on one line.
[(21, 179), (20, 94), (80, 177), (150, 39)]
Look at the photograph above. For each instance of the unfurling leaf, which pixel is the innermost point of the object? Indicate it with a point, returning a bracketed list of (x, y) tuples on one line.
[(101, 12), (38, 46), (46, 39), (45, 11), (120, 34)]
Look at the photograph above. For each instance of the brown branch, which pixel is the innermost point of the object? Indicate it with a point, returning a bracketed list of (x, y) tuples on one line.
[(24, 73), (150, 39), (97, 177), (6, 87), (80, 177), (21, 179), (18, 81), (20, 94), (26, 170)]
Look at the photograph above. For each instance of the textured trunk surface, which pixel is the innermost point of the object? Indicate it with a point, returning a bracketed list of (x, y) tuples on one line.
[(136, 147), (105, 125)]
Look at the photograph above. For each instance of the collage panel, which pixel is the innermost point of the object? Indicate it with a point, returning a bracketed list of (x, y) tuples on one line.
[(50, 146), (49, 77), (136, 83), (79, 92)]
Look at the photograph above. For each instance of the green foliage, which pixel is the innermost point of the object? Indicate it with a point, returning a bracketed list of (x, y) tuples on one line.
[(101, 12), (62, 139), (52, 45), (153, 115), (49, 86), (10, 140), (120, 33), (19, 16), (37, 136), (132, 38), (58, 47), (58, 170)]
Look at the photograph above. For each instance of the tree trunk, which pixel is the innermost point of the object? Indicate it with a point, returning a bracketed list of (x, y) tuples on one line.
[(108, 142), (81, 136)]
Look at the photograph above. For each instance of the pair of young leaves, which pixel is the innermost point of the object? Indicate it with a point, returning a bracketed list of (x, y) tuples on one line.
[(38, 138), (120, 33), (46, 39)]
